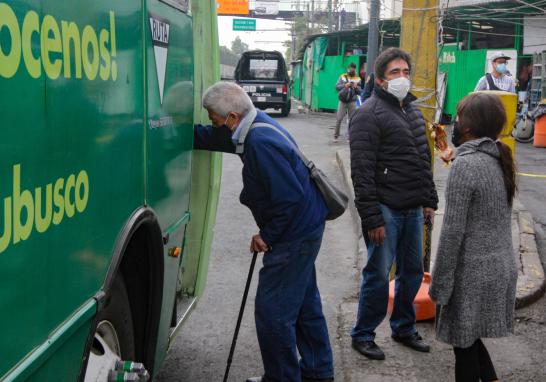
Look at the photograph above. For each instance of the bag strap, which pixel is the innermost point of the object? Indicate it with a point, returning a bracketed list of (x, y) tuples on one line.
[(239, 147), (309, 164), (490, 82)]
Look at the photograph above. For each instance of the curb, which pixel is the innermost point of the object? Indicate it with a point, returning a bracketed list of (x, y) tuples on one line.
[(531, 282), (531, 242), (346, 174)]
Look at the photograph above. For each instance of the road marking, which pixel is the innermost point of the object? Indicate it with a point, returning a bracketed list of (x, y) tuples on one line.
[(531, 175)]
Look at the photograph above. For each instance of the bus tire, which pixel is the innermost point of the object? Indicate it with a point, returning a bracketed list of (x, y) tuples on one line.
[(117, 311), (113, 337)]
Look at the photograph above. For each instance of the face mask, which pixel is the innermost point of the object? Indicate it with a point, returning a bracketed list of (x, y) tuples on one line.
[(399, 87), (456, 136), (501, 68)]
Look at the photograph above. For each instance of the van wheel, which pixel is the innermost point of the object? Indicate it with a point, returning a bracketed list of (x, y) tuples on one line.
[(114, 336), (286, 109)]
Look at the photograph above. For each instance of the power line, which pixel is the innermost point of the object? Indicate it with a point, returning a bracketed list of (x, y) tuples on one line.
[(530, 5)]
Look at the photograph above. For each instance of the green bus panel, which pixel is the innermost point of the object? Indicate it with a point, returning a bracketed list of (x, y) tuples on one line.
[(88, 137), (206, 166), (169, 138), (71, 158)]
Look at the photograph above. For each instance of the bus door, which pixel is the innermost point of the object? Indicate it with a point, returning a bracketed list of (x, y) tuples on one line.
[(169, 137)]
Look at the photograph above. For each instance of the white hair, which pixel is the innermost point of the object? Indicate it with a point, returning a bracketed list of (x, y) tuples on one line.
[(223, 98)]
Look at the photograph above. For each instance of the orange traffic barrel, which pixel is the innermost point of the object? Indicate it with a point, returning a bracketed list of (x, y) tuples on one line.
[(425, 309), (540, 131)]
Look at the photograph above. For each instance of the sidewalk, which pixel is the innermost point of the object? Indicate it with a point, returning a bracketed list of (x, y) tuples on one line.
[(511, 354), (531, 280)]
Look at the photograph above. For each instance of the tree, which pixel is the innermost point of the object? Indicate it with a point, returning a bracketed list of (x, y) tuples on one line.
[(301, 28), (227, 57), (238, 46)]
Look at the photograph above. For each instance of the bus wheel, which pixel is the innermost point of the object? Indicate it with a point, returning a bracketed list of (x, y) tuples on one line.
[(114, 335)]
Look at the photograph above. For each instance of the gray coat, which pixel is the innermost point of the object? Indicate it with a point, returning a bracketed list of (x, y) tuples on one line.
[(474, 276)]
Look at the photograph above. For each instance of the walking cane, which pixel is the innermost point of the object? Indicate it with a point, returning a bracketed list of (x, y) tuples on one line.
[(239, 319), (428, 245)]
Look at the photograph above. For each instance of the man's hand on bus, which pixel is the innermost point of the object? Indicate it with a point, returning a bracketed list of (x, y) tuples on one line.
[(258, 245)]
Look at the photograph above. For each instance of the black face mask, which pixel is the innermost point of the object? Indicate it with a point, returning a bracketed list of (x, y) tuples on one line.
[(456, 135)]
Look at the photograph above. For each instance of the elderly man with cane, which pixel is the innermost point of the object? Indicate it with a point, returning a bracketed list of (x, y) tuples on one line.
[(290, 214)]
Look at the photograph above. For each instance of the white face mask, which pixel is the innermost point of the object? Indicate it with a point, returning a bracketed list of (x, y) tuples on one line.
[(399, 87)]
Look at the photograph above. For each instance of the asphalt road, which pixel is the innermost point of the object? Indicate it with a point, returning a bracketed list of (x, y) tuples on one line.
[(200, 352), (530, 161)]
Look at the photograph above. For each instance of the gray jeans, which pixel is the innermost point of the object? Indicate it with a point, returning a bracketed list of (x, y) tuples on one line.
[(342, 110)]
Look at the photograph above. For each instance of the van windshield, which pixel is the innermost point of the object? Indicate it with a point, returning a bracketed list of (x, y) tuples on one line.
[(261, 69)]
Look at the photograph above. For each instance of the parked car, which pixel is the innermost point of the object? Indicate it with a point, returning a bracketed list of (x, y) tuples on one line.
[(264, 76)]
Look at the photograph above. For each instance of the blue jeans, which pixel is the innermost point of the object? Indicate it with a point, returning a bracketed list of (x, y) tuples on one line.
[(288, 313), (403, 242)]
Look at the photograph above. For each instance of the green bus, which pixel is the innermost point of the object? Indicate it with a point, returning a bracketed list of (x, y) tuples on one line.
[(107, 211)]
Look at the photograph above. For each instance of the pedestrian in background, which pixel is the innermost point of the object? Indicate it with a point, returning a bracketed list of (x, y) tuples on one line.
[(348, 87), (394, 194), (474, 275), (499, 78), (290, 213)]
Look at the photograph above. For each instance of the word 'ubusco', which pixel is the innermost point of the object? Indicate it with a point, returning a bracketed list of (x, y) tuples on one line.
[(24, 211), (59, 46)]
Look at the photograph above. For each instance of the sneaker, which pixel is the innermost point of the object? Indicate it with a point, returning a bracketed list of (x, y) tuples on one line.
[(369, 349), (414, 341), (307, 379)]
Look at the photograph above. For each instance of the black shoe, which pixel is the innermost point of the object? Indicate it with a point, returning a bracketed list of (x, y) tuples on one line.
[(369, 349), (306, 379), (413, 341)]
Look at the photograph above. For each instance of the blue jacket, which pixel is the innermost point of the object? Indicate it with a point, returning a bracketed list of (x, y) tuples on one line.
[(277, 188)]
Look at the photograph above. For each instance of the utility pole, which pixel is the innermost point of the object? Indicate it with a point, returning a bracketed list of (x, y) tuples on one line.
[(313, 16), (419, 38), (293, 49), (373, 36), (330, 16), (336, 15), (308, 18)]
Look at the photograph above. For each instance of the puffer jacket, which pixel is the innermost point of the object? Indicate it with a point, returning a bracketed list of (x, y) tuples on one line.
[(390, 158)]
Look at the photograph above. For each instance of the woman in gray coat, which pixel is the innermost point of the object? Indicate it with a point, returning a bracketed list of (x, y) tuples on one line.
[(474, 276)]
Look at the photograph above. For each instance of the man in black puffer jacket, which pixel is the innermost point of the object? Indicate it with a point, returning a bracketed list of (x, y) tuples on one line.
[(394, 194)]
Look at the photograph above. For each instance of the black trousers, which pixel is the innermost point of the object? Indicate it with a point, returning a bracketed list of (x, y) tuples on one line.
[(474, 364)]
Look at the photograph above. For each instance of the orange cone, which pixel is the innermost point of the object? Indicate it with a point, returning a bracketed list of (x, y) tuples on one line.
[(425, 309), (540, 132)]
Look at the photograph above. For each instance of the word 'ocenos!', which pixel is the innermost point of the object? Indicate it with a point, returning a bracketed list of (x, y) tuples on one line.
[(58, 47), (64, 197)]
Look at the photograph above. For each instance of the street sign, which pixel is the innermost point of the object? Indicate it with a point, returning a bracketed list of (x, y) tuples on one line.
[(244, 24), (232, 7)]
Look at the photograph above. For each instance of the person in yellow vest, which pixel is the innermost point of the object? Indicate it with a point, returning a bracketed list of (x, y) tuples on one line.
[(348, 87)]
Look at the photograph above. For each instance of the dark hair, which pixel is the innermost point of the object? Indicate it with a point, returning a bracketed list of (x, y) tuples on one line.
[(352, 65), (388, 55), (483, 114)]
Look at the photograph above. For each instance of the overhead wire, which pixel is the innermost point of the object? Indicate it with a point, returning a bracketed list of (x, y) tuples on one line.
[(529, 5)]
